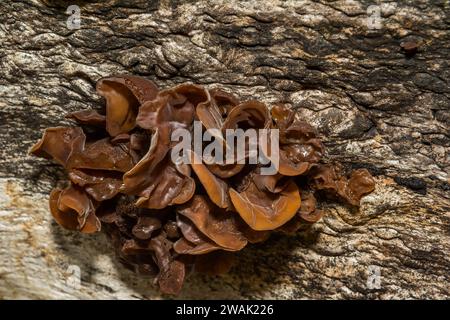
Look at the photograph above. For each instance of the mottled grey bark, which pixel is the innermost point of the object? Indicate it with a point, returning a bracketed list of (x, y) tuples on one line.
[(375, 106)]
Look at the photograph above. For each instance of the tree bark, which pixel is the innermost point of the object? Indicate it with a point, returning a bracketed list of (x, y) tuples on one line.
[(376, 106)]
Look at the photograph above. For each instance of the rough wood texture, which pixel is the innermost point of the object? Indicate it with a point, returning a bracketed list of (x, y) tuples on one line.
[(375, 107)]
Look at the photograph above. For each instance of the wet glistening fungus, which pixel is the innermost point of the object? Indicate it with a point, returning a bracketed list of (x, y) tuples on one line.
[(167, 218)]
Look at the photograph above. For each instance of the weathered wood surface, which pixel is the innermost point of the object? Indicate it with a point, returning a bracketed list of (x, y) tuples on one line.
[(375, 107)]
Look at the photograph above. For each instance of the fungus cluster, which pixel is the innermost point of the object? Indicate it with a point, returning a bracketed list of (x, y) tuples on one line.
[(166, 218)]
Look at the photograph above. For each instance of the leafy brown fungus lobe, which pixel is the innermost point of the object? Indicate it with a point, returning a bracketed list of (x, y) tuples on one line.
[(166, 219)]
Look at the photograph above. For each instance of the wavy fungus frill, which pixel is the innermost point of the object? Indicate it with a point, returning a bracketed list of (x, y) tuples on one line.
[(166, 218)]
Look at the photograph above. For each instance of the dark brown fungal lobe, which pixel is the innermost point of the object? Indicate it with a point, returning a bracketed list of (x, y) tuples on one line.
[(409, 47), (166, 218)]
